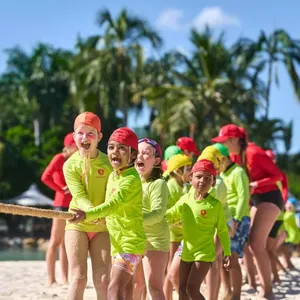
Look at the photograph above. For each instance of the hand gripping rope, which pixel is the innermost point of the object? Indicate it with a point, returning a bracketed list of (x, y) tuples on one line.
[(35, 212)]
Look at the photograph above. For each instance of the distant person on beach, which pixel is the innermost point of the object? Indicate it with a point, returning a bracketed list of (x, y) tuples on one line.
[(54, 178), (266, 199), (86, 174)]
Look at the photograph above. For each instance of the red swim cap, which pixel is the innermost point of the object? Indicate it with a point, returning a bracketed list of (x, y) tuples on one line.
[(69, 140), (125, 136), (204, 165)]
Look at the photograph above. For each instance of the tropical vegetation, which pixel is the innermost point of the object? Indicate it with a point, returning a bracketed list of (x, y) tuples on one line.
[(192, 94)]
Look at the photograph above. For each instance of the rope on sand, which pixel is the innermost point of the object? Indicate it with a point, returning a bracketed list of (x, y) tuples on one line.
[(34, 212)]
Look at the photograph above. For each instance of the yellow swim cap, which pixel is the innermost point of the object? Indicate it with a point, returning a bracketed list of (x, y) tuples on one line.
[(177, 161), (212, 154)]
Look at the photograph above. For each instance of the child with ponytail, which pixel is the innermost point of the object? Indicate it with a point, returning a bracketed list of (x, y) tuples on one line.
[(86, 173)]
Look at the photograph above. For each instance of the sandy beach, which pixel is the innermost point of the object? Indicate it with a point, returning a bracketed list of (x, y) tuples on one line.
[(27, 280)]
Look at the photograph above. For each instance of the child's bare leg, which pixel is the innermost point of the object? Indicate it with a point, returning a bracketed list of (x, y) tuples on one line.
[(184, 273), (226, 283), (77, 251), (236, 277), (250, 267), (287, 256), (213, 276), (173, 273), (280, 239), (136, 289), (101, 262), (56, 238), (168, 288), (271, 248), (118, 284), (64, 265), (197, 275), (155, 264)]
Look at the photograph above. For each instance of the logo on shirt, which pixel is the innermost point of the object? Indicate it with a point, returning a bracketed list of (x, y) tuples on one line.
[(203, 212), (101, 171)]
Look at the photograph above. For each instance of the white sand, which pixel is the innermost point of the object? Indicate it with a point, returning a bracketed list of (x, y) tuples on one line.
[(27, 280)]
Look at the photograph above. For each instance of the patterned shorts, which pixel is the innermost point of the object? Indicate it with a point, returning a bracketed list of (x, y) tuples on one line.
[(241, 236), (126, 262), (179, 250)]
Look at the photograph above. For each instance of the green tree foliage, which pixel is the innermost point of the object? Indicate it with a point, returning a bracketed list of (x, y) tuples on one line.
[(194, 93)]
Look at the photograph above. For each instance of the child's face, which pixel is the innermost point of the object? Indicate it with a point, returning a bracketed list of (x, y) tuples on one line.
[(233, 145), (87, 139), (202, 181), (223, 163), (289, 206), (189, 154), (118, 155), (186, 173), (145, 159)]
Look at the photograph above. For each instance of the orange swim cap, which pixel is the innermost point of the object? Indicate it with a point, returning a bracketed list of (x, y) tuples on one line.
[(89, 119)]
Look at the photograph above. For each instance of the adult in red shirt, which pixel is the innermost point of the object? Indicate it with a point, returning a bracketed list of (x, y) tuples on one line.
[(188, 147), (266, 198), (53, 177), (284, 180)]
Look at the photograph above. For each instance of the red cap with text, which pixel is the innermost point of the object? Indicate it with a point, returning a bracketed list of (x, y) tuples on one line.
[(227, 132)]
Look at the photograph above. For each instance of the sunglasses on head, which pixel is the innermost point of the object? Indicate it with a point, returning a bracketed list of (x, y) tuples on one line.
[(153, 144)]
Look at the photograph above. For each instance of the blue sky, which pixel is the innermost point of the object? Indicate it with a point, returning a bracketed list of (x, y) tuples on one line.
[(60, 21)]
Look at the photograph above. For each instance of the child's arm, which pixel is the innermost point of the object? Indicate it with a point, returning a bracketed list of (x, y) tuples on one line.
[(76, 187), (242, 187), (126, 191), (47, 176), (158, 193), (173, 214), (222, 231)]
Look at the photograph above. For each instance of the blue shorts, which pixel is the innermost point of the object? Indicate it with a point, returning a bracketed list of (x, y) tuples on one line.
[(241, 236)]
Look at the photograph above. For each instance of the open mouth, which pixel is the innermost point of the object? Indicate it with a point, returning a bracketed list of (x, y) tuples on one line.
[(85, 145), (140, 164), (116, 160)]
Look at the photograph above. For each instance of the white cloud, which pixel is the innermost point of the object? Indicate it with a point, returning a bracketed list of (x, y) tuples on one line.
[(214, 16), (170, 19)]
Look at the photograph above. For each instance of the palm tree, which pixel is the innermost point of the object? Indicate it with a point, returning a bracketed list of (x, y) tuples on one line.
[(267, 53), (42, 80), (115, 59), (267, 133), (209, 90)]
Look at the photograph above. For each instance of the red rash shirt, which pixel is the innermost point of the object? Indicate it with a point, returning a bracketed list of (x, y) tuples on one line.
[(285, 187), (54, 178), (261, 169)]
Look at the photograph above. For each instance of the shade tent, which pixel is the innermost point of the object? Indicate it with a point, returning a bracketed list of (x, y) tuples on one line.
[(31, 197)]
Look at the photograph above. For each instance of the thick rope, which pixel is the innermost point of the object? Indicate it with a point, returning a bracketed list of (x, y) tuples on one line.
[(34, 212)]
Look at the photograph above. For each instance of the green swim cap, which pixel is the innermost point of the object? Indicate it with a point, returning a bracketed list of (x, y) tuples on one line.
[(170, 151), (223, 149)]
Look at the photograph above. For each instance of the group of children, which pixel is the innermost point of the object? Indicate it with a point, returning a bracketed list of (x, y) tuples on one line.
[(153, 223)]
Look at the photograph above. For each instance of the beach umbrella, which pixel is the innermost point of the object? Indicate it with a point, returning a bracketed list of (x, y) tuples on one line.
[(31, 197)]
